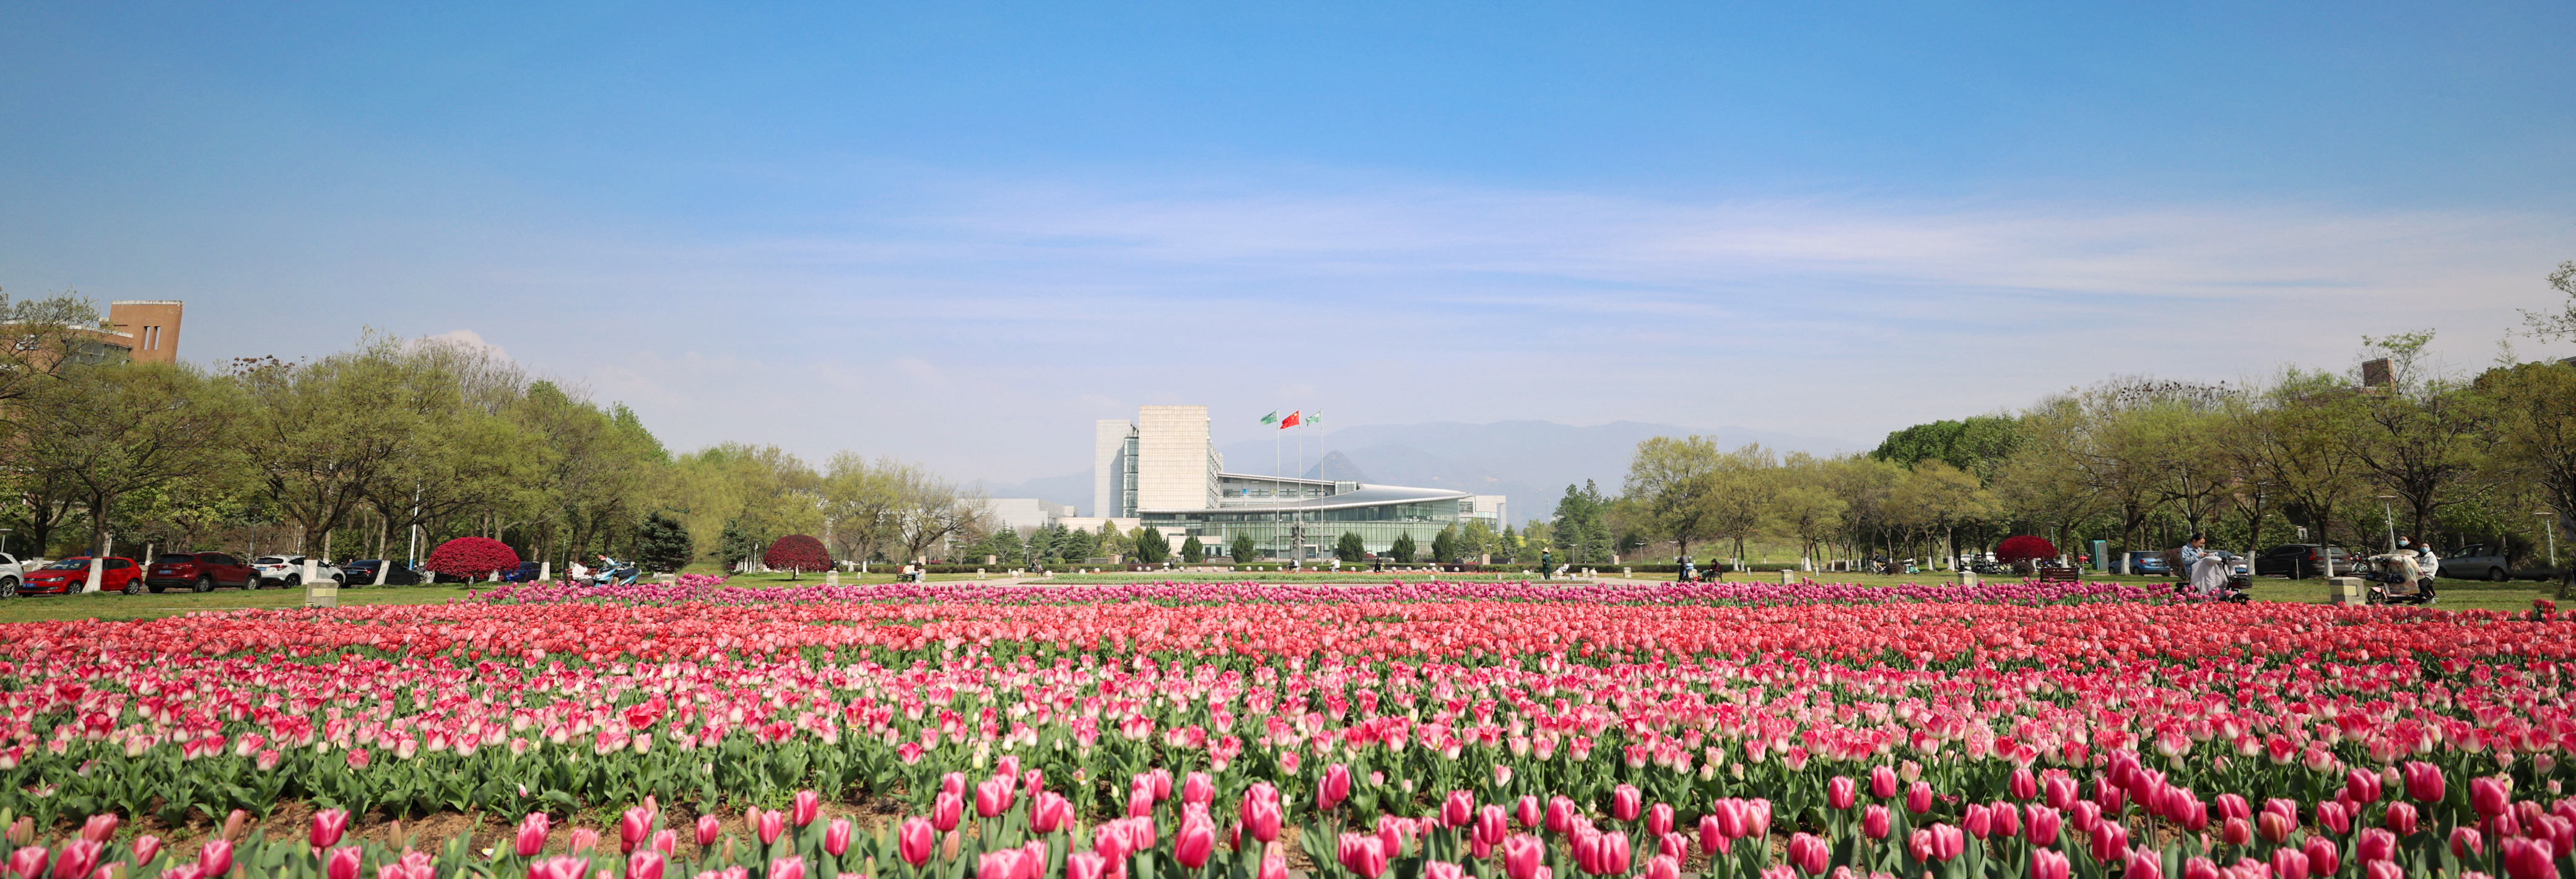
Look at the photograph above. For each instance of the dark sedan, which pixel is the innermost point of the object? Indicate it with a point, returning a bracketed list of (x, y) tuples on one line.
[(2299, 561), (363, 573)]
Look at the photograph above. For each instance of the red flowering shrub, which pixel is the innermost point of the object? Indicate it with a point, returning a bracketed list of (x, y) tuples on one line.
[(2023, 548), (797, 552), (472, 557)]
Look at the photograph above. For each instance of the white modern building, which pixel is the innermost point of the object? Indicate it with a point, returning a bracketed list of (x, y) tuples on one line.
[(1162, 470), (1025, 514)]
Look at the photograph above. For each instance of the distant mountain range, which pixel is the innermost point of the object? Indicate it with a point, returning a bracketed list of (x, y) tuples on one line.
[(1530, 462)]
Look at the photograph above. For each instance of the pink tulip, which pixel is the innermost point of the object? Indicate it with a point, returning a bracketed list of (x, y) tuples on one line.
[(1491, 826), (1261, 812), (1840, 792), (770, 824), (1626, 802), (1660, 867), (29, 862), (2048, 863), (953, 784), (1522, 855), (341, 863), (1527, 812), (2060, 792), (1918, 845), (1274, 863), (215, 858), (1195, 841), (2332, 817), (2529, 859), (532, 835), (915, 840), (1003, 864), (2323, 858), (2400, 819), (633, 828), (807, 806), (1198, 788), (2424, 782), (1560, 814), (2274, 828), (1659, 819), (789, 867), (2385, 870), (2109, 839), (2007, 819), (2024, 785), (1363, 854), (328, 825), (566, 867), (146, 847), (2362, 786), (1882, 782), (1458, 809), (2044, 823), (1085, 865), (1049, 812), (666, 841), (645, 863), (2200, 868), (836, 836), (1873, 821), (2466, 843), (1332, 788), (1809, 853), (993, 796), (99, 828), (946, 810), (2489, 796), (583, 839), (1918, 799), (2142, 864), (2289, 863), (2236, 832), (79, 856)]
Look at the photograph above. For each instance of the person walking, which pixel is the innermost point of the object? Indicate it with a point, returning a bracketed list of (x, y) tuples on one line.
[(1546, 565)]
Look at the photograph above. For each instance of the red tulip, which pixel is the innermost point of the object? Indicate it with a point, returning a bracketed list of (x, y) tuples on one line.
[(1840, 792), (2400, 819), (2424, 782), (2466, 843), (2362, 786), (2323, 857)]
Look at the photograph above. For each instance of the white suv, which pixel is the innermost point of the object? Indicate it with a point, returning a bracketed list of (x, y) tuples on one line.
[(12, 573), (288, 570)]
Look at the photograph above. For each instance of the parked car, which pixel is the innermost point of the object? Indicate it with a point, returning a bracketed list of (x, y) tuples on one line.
[(12, 573), (2299, 561), (288, 570), (526, 573), (72, 575), (198, 572), (362, 572), (2476, 561), (2141, 562)]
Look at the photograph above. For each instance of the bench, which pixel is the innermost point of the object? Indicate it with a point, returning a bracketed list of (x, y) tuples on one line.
[(2057, 574)]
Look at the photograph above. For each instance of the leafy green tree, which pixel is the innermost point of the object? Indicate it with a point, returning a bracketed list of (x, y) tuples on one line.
[(2533, 406), (1243, 552), (1581, 529), (1444, 545), (1192, 552), (121, 429), (737, 544), (1671, 491), (1401, 551), (1349, 548), (662, 544), (1151, 548)]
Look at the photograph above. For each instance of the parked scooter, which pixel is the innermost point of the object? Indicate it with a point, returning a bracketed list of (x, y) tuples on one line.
[(2388, 575)]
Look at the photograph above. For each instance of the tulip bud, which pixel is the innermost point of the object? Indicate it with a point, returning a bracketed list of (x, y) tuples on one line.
[(1809, 853), (1657, 867), (2044, 823), (1522, 855), (645, 863), (2048, 863), (2362, 785), (1659, 819), (2237, 832), (1840, 792), (1085, 865), (1873, 821), (2200, 868), (215, 858), (1526, 811), (1882, 782), (1918, 798), (2466, 843), (2024, 785), (708, 830), (2323, 857)]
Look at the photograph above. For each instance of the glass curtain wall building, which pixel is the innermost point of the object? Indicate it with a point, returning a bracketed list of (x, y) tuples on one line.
[(1163, 471)]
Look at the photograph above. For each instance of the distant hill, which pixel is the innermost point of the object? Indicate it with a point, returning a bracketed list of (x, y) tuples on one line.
[(1530, 462)]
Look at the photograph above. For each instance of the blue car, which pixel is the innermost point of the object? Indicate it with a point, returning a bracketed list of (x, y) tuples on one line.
[(2148, 563), (527, 573)]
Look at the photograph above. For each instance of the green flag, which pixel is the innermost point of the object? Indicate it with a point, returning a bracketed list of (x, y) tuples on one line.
[(1272, 418), (1317, 418)]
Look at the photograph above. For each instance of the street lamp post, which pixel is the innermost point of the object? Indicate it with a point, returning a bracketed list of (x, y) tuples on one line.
[(2548, 522), (2388, 516)]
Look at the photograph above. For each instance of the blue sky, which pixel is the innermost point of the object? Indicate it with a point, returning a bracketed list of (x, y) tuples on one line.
[(958, 232)]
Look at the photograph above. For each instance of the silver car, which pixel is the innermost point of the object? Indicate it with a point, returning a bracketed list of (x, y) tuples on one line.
[(2476, 561), (288, 570)]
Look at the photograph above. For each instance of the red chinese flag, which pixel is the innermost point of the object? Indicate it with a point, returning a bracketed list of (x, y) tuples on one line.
[(1290, 421)]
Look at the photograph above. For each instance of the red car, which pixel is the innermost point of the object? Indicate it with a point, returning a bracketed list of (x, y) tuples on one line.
[(199, 572), (72, 575)]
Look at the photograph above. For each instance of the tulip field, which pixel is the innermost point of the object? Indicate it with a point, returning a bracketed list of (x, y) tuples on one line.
[(1384, 731)]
